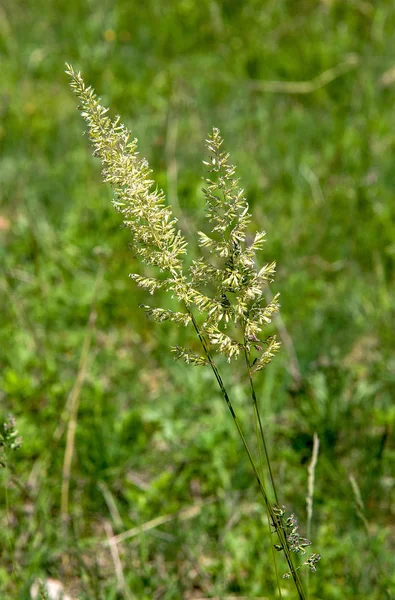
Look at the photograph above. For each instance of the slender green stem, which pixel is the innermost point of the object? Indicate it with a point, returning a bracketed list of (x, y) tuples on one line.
[(260, 440), (274, 557), (256, 409), (276, 520)]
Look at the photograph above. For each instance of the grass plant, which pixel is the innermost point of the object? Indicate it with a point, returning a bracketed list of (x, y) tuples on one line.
[(224, 288)]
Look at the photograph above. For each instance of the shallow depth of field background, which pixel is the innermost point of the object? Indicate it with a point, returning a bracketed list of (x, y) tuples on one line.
[(304, 95)]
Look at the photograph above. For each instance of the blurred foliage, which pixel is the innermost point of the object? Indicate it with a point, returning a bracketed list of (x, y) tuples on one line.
[(153, 437)]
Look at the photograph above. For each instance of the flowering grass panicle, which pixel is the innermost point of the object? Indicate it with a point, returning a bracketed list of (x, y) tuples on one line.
[(230, 269), (225, 288), (155, 237)]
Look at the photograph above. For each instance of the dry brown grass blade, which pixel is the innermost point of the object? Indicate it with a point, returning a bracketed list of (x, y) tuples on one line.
[(307, 87), (127, 594), (310, 482), (182, 515), (74, 400)]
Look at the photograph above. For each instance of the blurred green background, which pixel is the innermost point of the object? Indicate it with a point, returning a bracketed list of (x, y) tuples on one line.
[(303, 93)]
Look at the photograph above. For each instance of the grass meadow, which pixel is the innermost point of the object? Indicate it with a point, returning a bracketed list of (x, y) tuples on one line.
[(304, 95)]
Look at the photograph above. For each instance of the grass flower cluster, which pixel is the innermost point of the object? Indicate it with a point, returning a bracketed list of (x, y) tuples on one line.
[(221, 294), (10, 440)]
